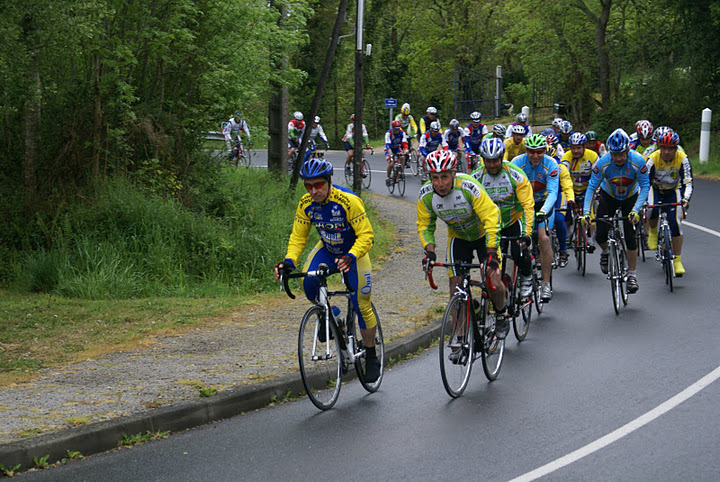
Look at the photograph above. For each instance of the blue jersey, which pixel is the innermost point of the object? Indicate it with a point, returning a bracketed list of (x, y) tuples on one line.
[(453, 138), (544, 178), (473, 137), (620, 182), (430, 142), (395, 142)]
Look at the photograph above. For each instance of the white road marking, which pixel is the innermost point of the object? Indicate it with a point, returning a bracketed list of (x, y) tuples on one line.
[(622, 431), (631, 426)]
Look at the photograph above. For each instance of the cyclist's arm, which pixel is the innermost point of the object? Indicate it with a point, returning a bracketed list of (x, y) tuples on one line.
[(300, 231), (246, 129), (388, 143), (524, 193), (322, 136), (366, 139), (686, 181), (426, 218), (553, 185), (643, 182), (466, 138), (566, 183), (488, 213), (593, 184), (423, 145), (360, 223), (227, 131), (413, 128)]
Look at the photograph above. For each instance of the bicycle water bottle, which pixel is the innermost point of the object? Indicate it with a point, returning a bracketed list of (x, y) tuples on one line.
[(338, 319)]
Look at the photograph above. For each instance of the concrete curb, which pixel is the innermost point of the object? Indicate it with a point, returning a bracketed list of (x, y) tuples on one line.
[(103, 436)]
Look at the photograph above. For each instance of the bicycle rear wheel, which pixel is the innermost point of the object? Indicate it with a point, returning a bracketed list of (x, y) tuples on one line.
[(622, 255), (366, 174), (537, 288), (360, 361), (580, 246), (492, 349), (456, 346), (320, 362), (522, 313), (414, 162), (668, 258)]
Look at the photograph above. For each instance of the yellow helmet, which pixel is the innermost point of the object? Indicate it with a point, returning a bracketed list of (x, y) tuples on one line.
[(405, 109)]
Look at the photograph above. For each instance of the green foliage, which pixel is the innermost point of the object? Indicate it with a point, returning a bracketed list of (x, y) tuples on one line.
[(140, 438), (9, 471), (41, 462), (205, 391), (131, 243)]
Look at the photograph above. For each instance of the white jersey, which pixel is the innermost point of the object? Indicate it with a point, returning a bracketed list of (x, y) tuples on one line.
[(318, 132), (232, 126)]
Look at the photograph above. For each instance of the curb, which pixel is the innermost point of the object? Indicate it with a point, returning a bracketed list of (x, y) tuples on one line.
[(103, 436)]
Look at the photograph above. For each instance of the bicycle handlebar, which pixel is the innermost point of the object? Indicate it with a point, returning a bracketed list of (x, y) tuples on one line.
[(459, 264), (322, 272)]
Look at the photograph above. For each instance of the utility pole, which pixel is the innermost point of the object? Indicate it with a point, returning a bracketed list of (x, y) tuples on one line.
[(277, 110), (358, 122)]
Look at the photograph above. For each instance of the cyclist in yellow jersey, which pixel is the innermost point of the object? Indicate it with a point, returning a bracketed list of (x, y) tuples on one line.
[(515, 144), (564, 204), (579, 161), (346, 236), (408, 125), (473, 221), (671, 179)]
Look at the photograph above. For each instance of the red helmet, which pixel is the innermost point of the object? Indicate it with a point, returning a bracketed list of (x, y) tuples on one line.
[(396, 124), (440, 161), (644, 128), (352, 117), (669, 139)]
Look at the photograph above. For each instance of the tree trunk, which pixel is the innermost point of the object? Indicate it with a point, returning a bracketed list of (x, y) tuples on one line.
[(97, 119), (31, 137), (277, 110)]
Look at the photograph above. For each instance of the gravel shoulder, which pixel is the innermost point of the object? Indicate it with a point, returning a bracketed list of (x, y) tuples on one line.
[(252, 345)]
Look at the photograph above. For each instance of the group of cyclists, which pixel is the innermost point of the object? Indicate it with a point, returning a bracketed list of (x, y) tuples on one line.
[(525, 184)]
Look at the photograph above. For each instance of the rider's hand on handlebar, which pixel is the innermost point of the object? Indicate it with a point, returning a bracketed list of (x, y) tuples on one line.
[(685, 204), (633, 217), (492, 262), (344, 263), (587, 220), (430, 257), (525, 241), (283, 268)]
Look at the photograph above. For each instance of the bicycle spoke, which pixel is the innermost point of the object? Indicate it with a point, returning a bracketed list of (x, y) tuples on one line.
[(456, 347)]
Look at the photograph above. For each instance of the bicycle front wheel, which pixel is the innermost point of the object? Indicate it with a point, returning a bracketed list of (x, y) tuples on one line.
[(668, 258), (456, 346), (614, 275), (361, 360), (492, 349), (537, 288), (580, 246), (623, 274), (522, 313), (366, 174), (401, 183), (320, 362), (349, 174), (414, 162)]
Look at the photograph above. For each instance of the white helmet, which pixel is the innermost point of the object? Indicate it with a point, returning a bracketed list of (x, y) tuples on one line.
[(557, 122), (317, 119), (431, 110), (518, 129), (454, 123), (521, 117), (475, 116), (298, 115), (434, 126)]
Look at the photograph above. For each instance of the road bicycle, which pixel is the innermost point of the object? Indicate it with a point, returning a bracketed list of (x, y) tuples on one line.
[(364, 170), (519, 308), (397, 174), (461, 166), (664, 252), (579, 239), (537, 277), (468, 331), (472, 162), (617, 259), (328, 344), (239, 156)]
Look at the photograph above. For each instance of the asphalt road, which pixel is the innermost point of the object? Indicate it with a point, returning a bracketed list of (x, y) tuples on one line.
[(588, 396)]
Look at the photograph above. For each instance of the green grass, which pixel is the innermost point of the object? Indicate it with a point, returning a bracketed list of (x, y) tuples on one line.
[(102, 293)]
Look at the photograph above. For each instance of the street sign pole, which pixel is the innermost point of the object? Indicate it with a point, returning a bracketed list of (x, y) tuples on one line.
[(390, 103)]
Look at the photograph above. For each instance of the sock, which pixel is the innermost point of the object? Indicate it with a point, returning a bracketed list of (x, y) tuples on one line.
[(632, 272), (370, 352)]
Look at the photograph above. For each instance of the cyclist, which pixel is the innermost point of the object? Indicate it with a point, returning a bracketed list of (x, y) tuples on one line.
[(474, 133), (473, 222), (515, 145), (429, 117), (509, 188), (316, 131), (455, 138), (296, 128), (554, 149), (498, 130), (657, 134), (671, 177), (566, 130), (544, 175), (643, 136), (408, 124), (520, 120), (431, 141), (346, 236), (622, 177), (594, 144), (235, 124), (396, 142), (349, 140), (580, 160), (565, 201)]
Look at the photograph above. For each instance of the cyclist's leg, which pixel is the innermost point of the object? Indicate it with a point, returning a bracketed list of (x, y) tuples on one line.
[(652, 215), (350, 151), (630, 239), (360, 280), (457, 250), (318, 255), (498, 294)]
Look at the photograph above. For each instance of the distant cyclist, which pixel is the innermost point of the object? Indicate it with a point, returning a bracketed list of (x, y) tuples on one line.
[(515, 145), (643, 138), (474, 133), (429, 117), (396, 143), (566, 130), (622, 176), (671, 178), (498, 130), (520, 120), (594, 144), (235, 125), (580, 161), (408, 124), (431, 141), (349, 140), (296, 128), (455, 138)]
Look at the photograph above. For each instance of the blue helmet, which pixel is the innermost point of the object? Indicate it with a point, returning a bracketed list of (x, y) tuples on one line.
[(618, 141), (566, 127), (492, 148), (316, 167), (578, 138)]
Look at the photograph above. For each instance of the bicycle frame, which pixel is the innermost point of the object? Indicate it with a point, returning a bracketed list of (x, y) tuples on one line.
[(617, 259), (664, 252)]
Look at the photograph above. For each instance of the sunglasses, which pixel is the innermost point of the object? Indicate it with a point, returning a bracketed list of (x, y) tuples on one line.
[(315, 185)]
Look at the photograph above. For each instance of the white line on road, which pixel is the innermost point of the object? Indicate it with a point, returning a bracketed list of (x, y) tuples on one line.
[(635, 424), (622, 431)]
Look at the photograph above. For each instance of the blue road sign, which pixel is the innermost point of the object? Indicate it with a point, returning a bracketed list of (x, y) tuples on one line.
[(390, 102)]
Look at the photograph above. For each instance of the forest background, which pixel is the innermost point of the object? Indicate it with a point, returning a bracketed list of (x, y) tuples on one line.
[(106, 187)]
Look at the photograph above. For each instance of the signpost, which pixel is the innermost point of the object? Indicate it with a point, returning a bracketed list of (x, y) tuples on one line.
[(391, 103)]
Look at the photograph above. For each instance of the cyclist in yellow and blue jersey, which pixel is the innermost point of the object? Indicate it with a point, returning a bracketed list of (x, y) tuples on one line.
[(564, 204), (473, 222), (544, 175), (622, 176), (346, 237), (580, 160), (509, 188), (408, 124), (670, 174), (515, 144)]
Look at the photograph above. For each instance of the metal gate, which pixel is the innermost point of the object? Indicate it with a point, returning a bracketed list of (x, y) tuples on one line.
[(476, 92)]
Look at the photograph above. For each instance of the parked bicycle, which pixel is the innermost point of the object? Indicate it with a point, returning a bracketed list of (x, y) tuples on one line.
[(397, 174), (664, 252), (468, 331), (617, 259), (328, 344), (364, 170)]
